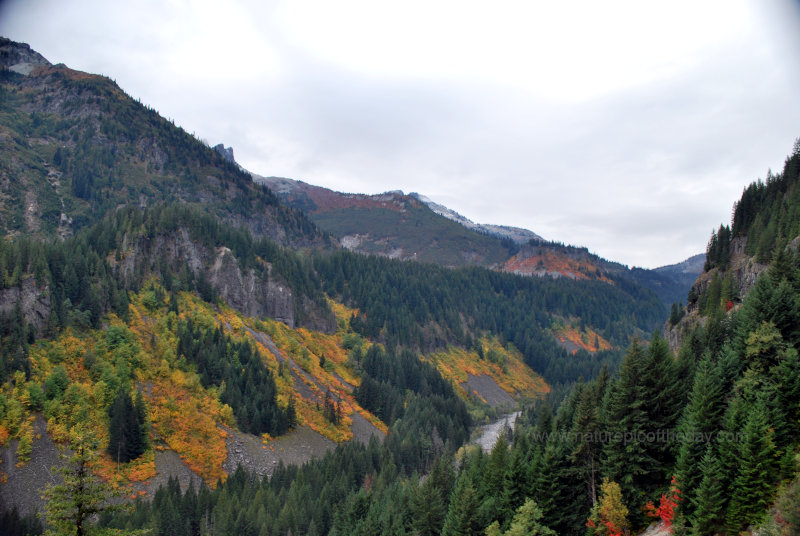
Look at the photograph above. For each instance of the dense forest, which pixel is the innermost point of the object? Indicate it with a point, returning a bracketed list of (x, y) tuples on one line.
[(768, 214), (426, 306), (249, 388), (712, 432)]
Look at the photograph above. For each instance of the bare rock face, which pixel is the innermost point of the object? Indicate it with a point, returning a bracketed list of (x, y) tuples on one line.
[(33, 301), (244, 289), (249, 294), (19, 57), (225, 152), (745, 271)]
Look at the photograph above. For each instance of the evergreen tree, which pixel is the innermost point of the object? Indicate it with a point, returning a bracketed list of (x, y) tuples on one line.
[(700, 421), (517, 478), (71, 505), (709, 501), (127, 427), (627, 459), (428, 509), (753, 484), (559, 489), (462, 516), (525, 523), (442, 476), (586, 430)]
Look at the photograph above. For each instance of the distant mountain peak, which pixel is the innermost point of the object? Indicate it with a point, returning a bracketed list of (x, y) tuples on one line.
[(20, 57), (516, 234)]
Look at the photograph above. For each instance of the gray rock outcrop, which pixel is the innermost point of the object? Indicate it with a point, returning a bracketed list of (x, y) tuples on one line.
[(34, 303), (19, 57), (253, 293)]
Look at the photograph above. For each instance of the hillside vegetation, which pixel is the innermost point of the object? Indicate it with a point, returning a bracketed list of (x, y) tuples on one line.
[(162, 317), (75, 146)]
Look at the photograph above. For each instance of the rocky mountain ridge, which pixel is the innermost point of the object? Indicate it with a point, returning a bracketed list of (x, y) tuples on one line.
[(391, 224), (397, 225), (254, 294), (20, 57)]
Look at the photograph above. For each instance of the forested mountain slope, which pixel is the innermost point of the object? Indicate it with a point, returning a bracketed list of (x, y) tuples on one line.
[(411, 227), (137, 312), (705, 441), (391, 224), (74, 146)]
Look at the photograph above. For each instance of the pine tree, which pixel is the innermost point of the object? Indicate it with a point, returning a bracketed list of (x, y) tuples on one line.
[(462, 516), (558, 488), (709, 501), (701, 419), (586, 430), (428, 509), (626, 456), (525, 523), (753, 485), (71, 505), (442, 476), (127, 427), (517, 479)]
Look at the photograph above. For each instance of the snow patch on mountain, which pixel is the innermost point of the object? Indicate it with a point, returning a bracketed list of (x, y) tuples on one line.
[(517, 234)]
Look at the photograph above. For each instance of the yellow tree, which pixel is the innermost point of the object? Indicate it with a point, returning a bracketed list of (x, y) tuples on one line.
[(610, 515)]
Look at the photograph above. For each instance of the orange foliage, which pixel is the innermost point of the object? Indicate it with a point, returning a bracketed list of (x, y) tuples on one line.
[(305, 349), (188, 424), (184, 415), (585, 340), (549, 261), (510, 372), (137, 470)]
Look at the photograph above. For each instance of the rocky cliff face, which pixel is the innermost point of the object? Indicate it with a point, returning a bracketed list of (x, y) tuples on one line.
[(34, 302), (19, 57), (225, 152), (745, 271), (243, 289), (245, 292)]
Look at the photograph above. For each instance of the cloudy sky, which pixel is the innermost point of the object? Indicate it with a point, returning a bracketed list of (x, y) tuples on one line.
[(628, 127)]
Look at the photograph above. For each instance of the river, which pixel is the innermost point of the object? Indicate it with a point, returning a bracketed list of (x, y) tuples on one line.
[(488, 433)]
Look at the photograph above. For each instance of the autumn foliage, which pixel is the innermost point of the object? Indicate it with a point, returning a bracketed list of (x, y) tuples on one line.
[(551, 262), (504, 364), (666, 506), (610, 515), (586, 338)]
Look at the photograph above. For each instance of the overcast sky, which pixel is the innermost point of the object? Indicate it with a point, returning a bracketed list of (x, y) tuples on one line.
[(628, 127)]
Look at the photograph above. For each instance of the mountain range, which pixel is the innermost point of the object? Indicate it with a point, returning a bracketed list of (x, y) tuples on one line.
[(413, 227), (257, 354)]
